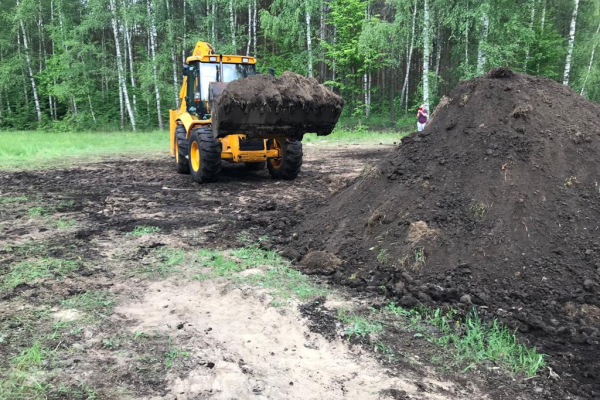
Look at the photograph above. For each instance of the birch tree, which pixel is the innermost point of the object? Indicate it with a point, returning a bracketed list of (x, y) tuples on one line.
[(153, 36), (481, 51), (308, 39), (34, 89), (426, 50), (589, 68), (120, 69), (408, 59), (571, 44), (232, 22), (531, 22)]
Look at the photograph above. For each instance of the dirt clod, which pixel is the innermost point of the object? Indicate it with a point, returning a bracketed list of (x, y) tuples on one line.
[(319, 262)]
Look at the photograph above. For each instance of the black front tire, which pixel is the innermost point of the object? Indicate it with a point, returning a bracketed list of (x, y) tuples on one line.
[(181, 150), (204, 155), (288, 166)]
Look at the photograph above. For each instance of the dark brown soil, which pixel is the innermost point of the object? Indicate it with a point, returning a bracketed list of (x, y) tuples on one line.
[(264, 106), (496, 203)]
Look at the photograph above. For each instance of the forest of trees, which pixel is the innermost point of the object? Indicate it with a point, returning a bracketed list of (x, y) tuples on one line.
[(110, 64)]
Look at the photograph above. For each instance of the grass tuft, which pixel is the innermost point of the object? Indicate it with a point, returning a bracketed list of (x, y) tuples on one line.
[(27, 271), (39, 211), (24, 380), (6, 200), (358, 325), (94, 302), (64, 223), (142, 230), (478, 209), (167, 260), (284, 281), (472, 341)]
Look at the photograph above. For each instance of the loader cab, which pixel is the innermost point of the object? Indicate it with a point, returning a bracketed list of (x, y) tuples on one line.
[(201, 73)]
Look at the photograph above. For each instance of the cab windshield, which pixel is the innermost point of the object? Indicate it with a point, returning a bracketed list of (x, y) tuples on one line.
[(231, 72)]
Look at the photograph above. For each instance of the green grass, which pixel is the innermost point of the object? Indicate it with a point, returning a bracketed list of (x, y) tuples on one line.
[(39, 211), (33, 149), (167, 261), (355, 136), (472, 340), (478, 209), (285, 283), (218, 263), (172, 354), (24, 380), (142, 230), (277, 276), (64, 223), (94, 302), (5, 200), (358, 325), (29, 270)]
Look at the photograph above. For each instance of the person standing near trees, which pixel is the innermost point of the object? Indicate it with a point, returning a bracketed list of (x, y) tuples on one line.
[(421, 118)]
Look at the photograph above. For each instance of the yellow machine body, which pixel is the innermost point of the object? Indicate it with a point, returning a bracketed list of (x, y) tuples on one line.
[(231, 149)]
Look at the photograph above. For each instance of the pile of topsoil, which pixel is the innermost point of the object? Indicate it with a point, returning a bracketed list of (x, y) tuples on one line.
[(496, 203), (289, 105)]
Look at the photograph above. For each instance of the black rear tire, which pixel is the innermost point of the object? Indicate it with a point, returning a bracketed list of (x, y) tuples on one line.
[(255, 166), (204, 155), (288, 166), (181, 150)]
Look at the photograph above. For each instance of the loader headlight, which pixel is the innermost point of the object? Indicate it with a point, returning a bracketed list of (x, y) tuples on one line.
[(212, 59), (245, 60)]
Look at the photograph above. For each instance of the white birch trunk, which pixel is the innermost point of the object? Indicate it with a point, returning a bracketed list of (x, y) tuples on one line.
[(254, 24), (543, 22), (571, 44), (531, 29), (369, 92), (322, 30), (438, 53), (542, 26), (467, 37), (426, 51), (91, 108), (408, 61), (308, 42), (153, 36), (121, 107), (173, 58), (249, 29), (481, 52), (214, 16), (131, 69), (366, 91), (36, 99), (120, 68), (589, 69), (232, 22), (333, 66)]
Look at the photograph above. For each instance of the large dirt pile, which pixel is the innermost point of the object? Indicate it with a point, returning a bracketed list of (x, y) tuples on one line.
[(496, 203), (263, 106)]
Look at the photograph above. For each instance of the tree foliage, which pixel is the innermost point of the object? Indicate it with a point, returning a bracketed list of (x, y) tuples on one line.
[(360, 48)]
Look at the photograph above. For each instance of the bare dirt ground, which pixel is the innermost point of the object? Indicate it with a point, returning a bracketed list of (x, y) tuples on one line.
[(124, 280)]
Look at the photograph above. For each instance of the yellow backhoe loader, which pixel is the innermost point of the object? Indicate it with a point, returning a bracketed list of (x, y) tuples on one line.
[(199, 150)]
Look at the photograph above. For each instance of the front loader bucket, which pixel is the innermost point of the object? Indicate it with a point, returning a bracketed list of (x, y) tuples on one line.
[(262, 106)]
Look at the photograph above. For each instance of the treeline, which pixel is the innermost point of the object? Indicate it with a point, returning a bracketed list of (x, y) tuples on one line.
[(80, 64)]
